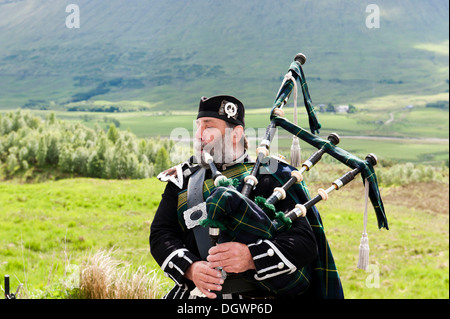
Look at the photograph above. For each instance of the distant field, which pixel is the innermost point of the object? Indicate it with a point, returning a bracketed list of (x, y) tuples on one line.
[(415, 135)]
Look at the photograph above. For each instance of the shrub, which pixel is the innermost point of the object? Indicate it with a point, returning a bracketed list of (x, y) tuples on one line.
[(27, 141), (401, 174)]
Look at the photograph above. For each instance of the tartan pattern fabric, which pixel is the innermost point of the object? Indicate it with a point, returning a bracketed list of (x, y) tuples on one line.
[(239, 218), (325, 280), (296, 283), (238, 172), (243, 221), (346, 158), (284, 92), (312, 119), (325, 273)]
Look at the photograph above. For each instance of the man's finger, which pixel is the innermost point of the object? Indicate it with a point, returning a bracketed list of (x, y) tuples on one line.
[(216, 257), (221, 248), (207, 293)]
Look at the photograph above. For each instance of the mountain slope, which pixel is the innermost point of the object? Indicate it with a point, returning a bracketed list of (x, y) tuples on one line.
[(177, 51)]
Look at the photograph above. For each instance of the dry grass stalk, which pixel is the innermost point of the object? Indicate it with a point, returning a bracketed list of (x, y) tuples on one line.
[(103, 277)]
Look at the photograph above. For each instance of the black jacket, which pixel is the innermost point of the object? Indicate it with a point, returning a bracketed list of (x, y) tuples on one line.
[(175, 249)]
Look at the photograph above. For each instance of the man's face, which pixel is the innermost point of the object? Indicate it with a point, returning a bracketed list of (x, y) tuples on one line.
[(213, 136)]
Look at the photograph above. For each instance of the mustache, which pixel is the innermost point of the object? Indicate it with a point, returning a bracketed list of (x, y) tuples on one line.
[(214, 148)]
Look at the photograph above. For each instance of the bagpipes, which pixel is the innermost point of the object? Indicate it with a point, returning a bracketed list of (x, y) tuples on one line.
[(8, 294), (266, 223)]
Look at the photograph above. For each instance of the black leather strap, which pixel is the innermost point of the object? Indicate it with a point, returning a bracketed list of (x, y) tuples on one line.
[(195, 197)]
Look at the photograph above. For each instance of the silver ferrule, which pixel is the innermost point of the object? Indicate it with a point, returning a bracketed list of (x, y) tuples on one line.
[(338, 183), (214, 231), (297, 211), (265, 143), (308, 164)]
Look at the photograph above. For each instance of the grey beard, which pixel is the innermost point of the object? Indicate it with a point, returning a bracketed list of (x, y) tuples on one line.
[(217, 161), (223, 157)]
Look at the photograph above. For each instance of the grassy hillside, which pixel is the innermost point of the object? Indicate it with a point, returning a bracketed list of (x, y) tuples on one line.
[(174, 52), (50, 229)]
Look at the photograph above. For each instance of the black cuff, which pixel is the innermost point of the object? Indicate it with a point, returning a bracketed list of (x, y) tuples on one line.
[(177, 263), (269, 261)]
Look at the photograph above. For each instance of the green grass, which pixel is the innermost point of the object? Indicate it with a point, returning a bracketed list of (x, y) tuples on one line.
[(410, 259), (49, 228)]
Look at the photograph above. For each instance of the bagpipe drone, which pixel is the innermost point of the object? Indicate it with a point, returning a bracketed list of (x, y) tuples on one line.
[(8, 294), (265, 222)]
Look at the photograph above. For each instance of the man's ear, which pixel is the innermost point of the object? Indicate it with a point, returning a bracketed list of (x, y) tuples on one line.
[(238, 132)]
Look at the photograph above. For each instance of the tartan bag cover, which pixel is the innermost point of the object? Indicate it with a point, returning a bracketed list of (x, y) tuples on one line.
[(326, 283), (242, 220)]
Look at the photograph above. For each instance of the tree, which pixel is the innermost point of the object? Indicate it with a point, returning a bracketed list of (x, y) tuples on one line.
[(352, 109), (95, 165), (132, 166), (145, 169), (41, 152), (102, 146), (112, 134), (27, 141), (330, 108), (65, 159), (79, 160), (120, 158), (6, 125), (162, 161), (51, 119), (53, 150), (11, 163), (32, 148)]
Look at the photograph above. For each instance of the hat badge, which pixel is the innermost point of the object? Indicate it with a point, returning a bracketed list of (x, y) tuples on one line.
[(230, 109)]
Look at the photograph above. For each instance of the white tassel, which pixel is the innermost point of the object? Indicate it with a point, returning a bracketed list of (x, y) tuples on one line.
[(364, 249), (295, 152), (295, 147)]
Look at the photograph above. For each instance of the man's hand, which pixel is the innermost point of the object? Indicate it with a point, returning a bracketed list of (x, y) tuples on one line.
[(205, 277), (233, 257)]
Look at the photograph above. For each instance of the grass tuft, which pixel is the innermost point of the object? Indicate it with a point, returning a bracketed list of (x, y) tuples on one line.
[(103, 277)]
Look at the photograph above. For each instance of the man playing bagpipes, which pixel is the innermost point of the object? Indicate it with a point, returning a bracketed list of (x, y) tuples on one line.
[(260, 253)]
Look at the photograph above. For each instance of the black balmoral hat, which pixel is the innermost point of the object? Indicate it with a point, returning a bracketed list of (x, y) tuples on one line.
[(224, 107)]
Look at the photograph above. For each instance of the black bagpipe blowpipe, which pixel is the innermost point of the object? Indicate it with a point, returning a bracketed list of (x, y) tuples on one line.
[(217, 176), (295, 73)]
